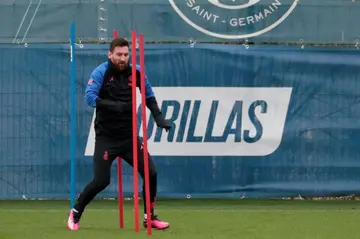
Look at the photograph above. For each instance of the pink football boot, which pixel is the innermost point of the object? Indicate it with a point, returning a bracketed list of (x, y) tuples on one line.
[(157, 223), (73, 224)]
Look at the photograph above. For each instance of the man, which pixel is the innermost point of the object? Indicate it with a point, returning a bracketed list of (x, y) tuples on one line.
[(109, 91)]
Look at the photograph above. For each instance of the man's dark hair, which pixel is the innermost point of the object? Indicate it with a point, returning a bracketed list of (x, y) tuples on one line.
[(121, 42)]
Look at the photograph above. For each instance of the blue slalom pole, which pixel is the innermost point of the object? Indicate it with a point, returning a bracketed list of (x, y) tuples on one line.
[(72, 116)]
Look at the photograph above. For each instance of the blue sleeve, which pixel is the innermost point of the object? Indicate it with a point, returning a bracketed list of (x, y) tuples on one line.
[(148, 88), (94, 85)]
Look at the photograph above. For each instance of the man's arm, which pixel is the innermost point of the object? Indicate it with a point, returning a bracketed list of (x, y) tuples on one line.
[(93, 87), (152, 105), (92, 93), (151, 102)]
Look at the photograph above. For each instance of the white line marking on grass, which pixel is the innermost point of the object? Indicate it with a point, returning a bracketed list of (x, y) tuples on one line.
[(189, 209)]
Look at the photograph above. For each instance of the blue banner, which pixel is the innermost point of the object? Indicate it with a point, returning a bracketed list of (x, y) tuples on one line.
[(260, 121), (275, 21)]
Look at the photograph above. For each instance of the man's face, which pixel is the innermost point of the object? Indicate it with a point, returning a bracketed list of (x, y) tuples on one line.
[(120, 57)]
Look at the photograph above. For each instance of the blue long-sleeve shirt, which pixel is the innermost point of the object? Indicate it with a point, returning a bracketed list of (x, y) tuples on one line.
[(97, 78), (109, 91)]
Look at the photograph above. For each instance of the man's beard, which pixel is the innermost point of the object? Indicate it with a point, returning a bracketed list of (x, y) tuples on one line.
[(122, 66)]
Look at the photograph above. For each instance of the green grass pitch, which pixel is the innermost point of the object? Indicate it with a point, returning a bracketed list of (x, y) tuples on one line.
[(189, 219)]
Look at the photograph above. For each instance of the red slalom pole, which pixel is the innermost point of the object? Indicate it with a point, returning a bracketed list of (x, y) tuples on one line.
[(115, 34), (120, 193), (119, 161), (134, 131), (143, 112)]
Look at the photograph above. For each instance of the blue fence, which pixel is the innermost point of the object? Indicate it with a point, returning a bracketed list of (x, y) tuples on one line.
[(265, 121), (319, 21)]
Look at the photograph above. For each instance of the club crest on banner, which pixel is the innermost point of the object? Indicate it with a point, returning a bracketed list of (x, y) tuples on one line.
[(233, 19)]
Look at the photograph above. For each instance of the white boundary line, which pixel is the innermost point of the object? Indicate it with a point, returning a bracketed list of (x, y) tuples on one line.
[(192, 209)]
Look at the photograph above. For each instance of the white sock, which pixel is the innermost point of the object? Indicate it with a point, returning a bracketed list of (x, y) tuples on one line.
[(145, 216)]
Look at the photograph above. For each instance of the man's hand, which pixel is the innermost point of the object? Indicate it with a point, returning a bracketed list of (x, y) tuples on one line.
[(162, 123), (155, 111)]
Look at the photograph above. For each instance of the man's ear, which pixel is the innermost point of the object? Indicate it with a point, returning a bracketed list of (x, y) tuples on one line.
[(109, 54)]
